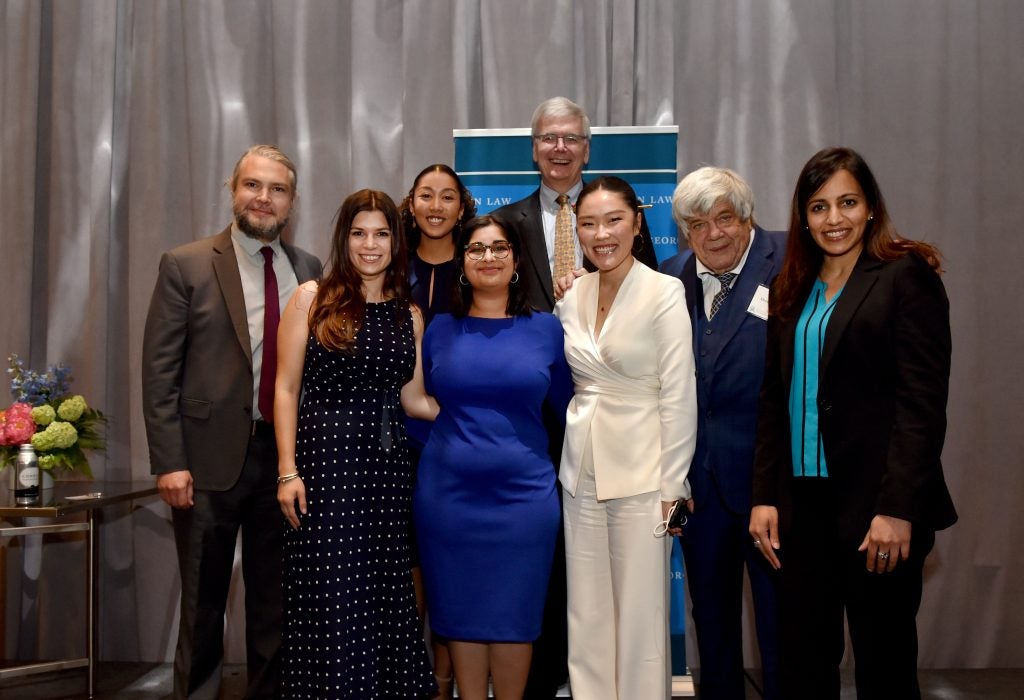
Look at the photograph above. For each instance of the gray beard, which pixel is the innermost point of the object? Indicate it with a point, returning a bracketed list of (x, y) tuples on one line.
[(266, 235)]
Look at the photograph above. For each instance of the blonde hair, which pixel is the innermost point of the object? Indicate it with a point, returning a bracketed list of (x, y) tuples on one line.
[(271, 152)]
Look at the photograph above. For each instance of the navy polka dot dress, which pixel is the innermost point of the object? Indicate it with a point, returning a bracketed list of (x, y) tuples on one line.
[(351, 630)]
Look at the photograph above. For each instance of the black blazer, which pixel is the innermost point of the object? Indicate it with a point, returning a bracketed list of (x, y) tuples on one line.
[(525, 217), (882, 389)]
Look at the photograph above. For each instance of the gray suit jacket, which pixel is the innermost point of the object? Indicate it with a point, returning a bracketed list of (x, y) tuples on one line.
[(197, 375)]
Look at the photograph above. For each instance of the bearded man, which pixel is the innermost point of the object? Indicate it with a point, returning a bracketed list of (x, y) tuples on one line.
[(208, 371)]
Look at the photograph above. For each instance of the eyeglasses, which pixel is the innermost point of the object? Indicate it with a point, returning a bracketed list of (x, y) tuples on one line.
[(722, 222), (570, 140), (499, 249)]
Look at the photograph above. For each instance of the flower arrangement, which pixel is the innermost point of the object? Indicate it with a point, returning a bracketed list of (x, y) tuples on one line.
[(60, 426)]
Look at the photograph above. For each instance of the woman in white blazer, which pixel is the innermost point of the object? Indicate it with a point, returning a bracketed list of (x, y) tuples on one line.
[(629, 437)]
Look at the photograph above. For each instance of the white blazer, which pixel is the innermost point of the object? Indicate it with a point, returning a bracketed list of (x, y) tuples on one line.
[(636, 401)]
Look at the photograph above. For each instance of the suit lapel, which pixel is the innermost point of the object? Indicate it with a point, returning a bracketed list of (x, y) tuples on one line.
[(302, 272), (225, 266), (532, 226), (756, 270), (694, 290), (862, 279)]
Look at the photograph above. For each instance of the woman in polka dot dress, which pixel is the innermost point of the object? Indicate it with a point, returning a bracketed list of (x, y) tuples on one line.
[(351, 345)]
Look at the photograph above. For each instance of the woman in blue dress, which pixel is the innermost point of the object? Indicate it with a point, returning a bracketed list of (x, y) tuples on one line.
[(349, 347), (485, 506)]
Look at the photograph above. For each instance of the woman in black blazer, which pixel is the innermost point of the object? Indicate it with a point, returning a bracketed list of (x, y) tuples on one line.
[(848, 484)]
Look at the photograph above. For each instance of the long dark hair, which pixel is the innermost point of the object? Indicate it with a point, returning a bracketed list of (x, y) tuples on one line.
[(340, 306), (804, 258), (462, 294), (610, 183), (412, 231)]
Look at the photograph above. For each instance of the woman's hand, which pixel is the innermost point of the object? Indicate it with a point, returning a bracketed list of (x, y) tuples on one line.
[(288, 492), (564, 284), (887, 542), (764, 528), (415, 400), (667, 508)]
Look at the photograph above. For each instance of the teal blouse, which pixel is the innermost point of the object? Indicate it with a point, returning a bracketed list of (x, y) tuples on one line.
[(805, 438)]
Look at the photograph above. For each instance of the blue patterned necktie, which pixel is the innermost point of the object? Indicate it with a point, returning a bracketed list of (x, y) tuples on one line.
[(719, 299)]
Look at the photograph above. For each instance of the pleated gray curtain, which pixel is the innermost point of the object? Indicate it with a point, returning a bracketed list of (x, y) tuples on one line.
[(122, 119)]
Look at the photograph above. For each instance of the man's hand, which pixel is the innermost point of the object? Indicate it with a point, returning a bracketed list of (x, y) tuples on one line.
[(176, 488), (564, 284)]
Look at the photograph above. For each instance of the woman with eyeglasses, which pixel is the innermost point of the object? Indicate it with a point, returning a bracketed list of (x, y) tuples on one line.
[(485, 505), (433, 211), (630, 434), (848, 489)]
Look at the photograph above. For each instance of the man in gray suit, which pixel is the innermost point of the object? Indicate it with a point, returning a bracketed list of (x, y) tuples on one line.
[(208, 403)]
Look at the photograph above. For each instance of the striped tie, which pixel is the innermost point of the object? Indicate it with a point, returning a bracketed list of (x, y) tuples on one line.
[(719, 299)]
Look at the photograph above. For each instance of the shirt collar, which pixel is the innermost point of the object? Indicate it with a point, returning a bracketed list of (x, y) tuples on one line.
[(703, 271), (252, 246), (548, 195)]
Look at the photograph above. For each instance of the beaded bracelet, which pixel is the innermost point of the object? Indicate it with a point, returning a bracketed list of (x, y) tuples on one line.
[(287, 477)]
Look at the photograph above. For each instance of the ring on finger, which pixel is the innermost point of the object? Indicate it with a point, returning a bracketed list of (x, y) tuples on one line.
[(883, 555)]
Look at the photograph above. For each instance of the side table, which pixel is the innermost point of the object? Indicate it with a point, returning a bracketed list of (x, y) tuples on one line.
[(65, 498)]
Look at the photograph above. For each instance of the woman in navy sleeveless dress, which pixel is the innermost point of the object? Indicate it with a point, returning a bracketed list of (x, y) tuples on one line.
[(437, 206), (485, 505), (345, 483)]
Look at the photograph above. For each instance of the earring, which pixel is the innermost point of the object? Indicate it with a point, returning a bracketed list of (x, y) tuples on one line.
[(871, 217), (515, 278), (463, 281)]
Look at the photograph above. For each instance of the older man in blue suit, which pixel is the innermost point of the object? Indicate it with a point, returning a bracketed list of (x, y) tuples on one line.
[(726, 279)]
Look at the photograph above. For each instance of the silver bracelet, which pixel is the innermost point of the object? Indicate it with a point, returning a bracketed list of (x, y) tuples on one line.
[(287, 477)]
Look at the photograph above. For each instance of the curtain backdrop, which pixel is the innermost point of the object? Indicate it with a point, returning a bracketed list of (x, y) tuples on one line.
[(122, 119)]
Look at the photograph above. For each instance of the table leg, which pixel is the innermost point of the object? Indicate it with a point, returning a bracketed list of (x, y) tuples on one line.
[(90, 612)]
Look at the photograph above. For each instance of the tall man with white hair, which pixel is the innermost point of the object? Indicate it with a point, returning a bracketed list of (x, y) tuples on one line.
[(561, 148), (726, 280)]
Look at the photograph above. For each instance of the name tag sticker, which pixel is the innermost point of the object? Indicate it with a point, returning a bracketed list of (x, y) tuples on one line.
[(759, 304)]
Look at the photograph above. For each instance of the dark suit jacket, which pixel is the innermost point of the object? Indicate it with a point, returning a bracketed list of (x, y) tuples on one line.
[(197, 375), (730, 366), (882, 390), (525, 216)]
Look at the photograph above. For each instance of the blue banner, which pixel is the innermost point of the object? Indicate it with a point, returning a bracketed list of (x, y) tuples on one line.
[(497, 166)]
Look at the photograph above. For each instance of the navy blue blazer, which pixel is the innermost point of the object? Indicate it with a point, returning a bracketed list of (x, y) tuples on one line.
[(729, 353)]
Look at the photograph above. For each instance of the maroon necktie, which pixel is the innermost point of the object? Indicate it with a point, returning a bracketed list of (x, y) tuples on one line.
[(271, 318)]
